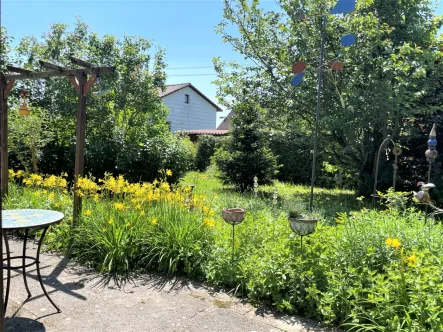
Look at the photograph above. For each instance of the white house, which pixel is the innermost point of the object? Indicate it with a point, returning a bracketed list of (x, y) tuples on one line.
[(190, 109)]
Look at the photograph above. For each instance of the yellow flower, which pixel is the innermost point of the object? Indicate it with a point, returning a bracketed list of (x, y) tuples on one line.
[(44, 191), (96, 198), (168, 172), (205, 209), (154, 221), (211, 213), (209, 222), (88, 212), (393, 243), (138, 206), (128, 224), (37, 193), (412, 260), (110, 221), (51, 196), (70, 218), (119, 206), (142, 213)]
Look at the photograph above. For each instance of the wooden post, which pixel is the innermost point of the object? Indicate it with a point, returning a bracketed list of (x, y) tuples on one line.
[(4, 91), (3, 134), (80, 142)]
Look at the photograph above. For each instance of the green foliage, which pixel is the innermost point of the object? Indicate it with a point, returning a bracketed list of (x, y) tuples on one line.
[(27, 137), (205, 150), (125, 112), (143, 161), (107, 237), (292, 151), (177, 242), (363, 270), (245, 153), (391, 73)]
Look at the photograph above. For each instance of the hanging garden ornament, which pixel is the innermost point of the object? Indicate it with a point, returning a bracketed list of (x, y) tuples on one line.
[(343, 6), (336, 65), (24, 109), (347, 40), (431, 153)]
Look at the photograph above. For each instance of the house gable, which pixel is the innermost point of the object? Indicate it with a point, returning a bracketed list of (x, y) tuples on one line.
[(189, 108)]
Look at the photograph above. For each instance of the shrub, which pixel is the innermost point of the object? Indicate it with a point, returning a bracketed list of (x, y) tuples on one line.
[(205, 150), (142, 162), (245, 153)]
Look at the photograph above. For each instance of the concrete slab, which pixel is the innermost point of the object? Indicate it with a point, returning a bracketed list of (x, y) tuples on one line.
[(90, 303)]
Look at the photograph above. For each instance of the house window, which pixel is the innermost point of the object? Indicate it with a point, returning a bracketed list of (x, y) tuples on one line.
[(187, 99)]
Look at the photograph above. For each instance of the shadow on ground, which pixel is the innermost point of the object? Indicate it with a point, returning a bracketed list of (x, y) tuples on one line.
[(22, 324)]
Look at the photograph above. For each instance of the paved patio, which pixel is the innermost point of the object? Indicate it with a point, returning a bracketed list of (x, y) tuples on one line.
[(148, 303)]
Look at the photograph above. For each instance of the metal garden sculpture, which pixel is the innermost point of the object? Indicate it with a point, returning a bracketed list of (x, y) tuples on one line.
[(342, 7)]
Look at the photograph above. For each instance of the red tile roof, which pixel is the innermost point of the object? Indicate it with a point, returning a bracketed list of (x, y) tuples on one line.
[(206, 132), (175, 87)]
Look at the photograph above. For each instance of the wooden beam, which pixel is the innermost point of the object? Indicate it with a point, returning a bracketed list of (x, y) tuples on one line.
[(82, 63), (68, 72), (19, 70), (89, 84), (8, 89), (51, 66), (4, 130), (80, 143), (74, 82), (3, 104)]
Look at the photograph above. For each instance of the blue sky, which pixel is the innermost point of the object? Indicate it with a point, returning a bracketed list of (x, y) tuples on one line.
[(185, 28)]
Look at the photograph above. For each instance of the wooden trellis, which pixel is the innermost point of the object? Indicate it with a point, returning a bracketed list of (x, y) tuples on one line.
[(82, 85)]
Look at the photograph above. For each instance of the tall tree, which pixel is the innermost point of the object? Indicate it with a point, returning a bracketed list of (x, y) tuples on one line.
[(124, 109), (390, 73)]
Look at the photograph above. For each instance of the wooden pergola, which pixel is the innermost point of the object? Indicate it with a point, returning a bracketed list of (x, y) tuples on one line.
[(79, 78)]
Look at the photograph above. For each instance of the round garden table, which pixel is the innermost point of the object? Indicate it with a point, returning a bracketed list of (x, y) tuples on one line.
[(26, 219)]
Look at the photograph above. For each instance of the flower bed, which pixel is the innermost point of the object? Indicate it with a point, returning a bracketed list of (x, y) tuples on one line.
[(372, 270)]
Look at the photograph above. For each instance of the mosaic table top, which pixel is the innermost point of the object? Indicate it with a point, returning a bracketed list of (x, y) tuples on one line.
[(29, 218)]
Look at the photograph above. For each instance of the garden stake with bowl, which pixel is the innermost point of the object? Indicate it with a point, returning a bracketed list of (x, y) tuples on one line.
[(233, 216), (342, 7), (301, 225)]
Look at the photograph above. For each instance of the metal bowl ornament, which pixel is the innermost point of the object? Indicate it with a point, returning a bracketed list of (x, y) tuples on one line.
[(234, 216), (303, 226)]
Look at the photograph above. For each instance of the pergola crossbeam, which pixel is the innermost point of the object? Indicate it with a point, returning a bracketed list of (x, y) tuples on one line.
[(19, 70), (82, 63), (67, 72), (51, 66)]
